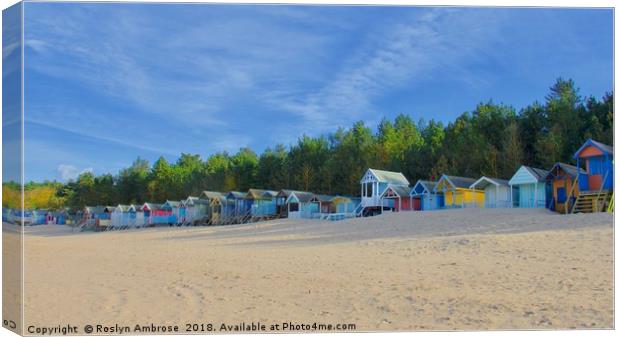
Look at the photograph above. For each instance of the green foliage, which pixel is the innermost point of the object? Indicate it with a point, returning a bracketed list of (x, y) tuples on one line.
[(492, 140)]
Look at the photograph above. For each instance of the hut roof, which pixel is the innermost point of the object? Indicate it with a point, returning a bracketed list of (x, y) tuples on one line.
[(428, 185), (400, 190), (456, 182), (395, 178), (302, 196), (210, 195), (285, 193), (327, 198), (235, 195), (123, 208), (485, 181), (94, 209), (151, 206), (569, 169), (603, 147), (171, 203), (255, 193), (190, 201), (539, 174), (219, 200)]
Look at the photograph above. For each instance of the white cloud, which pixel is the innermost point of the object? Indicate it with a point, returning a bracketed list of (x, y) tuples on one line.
[(435, 44), (70, 172)]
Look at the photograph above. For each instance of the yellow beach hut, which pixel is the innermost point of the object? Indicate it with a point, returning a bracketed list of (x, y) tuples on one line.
[(457, 192)]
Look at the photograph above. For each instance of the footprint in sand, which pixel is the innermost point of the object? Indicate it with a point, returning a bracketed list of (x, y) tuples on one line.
[(192, 297)]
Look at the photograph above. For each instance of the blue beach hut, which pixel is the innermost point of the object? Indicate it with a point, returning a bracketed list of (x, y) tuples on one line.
[(528, 188), (597, 160), (423, 196)]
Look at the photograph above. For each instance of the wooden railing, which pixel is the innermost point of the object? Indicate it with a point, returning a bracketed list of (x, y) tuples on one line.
[(569, 195), (598, 195)]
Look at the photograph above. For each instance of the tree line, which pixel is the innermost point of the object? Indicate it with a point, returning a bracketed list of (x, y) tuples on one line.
[(493, 140)]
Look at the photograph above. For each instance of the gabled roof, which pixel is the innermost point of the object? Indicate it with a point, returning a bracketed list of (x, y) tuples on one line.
[(255, 193), (285, 193), (270, 194), (455, 181), (235, 195), (190, 201), (124, 208), (539, 174), (210, 195), (569, 169), (536, 175), (94, 209), (301, 196), (170, 203), (485, 181), (221, 200), (606, 149), (151, 206), (394, 178), (428, 185), (322, 198), (400, 190)]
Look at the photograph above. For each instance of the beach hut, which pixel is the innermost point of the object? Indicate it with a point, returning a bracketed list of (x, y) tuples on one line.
[(182, 212), (196, 209), (596, 183), (155, 214), (563, 180), (373, 184), (597, 160), (97, 216), (299, 205), (457, 192), (172, 209), (261, 202), (529, 188), (50, 217), (399, 196), (496, 192), (424, 198), (332, 207), (140, 220), (210, 196), (218, 209), (281, 206), (237, 204), (120, 217)]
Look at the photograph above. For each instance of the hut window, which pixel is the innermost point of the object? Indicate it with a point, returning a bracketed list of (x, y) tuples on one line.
[(294, 207), (368, 188)]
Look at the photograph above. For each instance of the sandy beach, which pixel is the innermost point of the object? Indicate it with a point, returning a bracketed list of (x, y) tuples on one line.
[(440, 270)]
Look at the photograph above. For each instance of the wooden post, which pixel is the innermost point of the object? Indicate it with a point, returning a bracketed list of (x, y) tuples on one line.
[(496, 196)]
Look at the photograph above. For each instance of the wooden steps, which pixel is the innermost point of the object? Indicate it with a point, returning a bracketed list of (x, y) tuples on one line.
[(590, 202)]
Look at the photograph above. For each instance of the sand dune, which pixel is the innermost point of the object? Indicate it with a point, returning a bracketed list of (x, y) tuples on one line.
[(443, 270)]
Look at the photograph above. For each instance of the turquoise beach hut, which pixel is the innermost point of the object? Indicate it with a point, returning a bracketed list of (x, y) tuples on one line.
[(299, 205), (528, 188), (262, 202), (237, 205), (423, 196)]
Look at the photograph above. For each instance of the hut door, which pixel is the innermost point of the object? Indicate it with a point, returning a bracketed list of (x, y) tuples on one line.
[(561, 195), (417, 204)]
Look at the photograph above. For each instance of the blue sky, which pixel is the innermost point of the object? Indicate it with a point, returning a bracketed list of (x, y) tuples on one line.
[(105, 83)]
